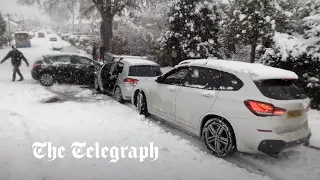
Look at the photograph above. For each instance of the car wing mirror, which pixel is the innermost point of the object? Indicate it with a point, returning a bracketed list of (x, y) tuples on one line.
[(159, 79)]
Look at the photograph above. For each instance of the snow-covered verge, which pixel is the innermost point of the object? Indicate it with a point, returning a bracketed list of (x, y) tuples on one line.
[(314, 123)]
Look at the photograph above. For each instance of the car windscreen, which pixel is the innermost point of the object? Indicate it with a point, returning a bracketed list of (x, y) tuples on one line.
[(280, 89), (144, 71)]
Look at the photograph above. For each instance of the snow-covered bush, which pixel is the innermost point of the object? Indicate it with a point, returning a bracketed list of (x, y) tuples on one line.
[(194, 29), (73, 39), (253, 23), (301, 55)]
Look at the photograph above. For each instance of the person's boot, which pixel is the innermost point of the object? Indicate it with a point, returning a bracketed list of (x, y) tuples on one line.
[(21, 79)]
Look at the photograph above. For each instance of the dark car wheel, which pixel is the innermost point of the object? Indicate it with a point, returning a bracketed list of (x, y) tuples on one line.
[(142, 104), (46, 79), (118, 95), (219, 137)]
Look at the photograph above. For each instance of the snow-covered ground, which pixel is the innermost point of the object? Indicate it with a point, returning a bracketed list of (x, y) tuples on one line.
[(65, 114)]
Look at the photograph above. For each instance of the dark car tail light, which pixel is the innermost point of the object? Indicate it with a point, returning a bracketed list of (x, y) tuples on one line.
[(36, 65), (264, 109), (131, 81)]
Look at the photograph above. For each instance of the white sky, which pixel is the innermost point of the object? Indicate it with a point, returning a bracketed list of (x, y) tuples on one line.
[(11, 6)]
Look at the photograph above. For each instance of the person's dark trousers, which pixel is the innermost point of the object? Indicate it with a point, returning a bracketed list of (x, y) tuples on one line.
[(15, 71)]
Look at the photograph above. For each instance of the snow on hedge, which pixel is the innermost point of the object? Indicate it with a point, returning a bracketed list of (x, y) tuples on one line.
[(193, 29), (293, 46)]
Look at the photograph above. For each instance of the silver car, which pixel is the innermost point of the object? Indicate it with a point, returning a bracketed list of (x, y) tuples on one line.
[(120, 77)]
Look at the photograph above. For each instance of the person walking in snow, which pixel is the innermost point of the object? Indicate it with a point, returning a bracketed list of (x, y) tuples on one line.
[(16, 57)]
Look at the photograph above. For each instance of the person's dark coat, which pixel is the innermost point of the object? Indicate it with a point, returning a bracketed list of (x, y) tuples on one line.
[(94, 51), (16, 58)]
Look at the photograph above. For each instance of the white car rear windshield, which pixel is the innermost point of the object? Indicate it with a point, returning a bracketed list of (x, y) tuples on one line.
[(144, 71), (280, 89)]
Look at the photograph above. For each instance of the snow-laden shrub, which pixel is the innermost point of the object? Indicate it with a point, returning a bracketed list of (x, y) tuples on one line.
[(301, 55), (73, 39), (194, 29)]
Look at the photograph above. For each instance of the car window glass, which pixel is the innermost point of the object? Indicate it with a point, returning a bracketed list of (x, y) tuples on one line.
[(280, 89), (230, 82), (144, 71), (107, 67), (118, 68), (204, 78), (80, 60), (60, 59), (179, 77)]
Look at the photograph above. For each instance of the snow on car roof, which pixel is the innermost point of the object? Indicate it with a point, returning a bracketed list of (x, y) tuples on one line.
[(131, 57), (21, 32), (257, 71), (70, 54), (138, 61)]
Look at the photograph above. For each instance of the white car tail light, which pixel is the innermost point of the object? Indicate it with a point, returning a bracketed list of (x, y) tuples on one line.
[(131, 81), (264, 109)]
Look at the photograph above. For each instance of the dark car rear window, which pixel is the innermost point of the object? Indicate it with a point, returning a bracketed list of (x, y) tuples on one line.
[(144, 71), (280, 89)]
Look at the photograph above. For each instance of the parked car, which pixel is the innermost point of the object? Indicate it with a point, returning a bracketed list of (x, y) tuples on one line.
[(64, 68), (231, 105), (58, 46), (41, 35), (53, 38), (120, 77)]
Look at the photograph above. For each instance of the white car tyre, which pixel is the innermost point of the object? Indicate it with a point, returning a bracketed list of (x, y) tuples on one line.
[(219, 137), (142, 104)]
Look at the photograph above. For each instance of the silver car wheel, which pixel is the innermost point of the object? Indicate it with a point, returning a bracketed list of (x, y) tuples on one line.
[(46, 79), (218, 137)]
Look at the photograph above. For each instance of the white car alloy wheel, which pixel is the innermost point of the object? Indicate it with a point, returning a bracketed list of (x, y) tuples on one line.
[(118, 95), (218, 137), (46, 79)]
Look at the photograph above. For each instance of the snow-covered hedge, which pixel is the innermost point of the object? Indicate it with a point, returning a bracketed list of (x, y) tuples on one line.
[(300, 54), (193, 29), (73, 39)]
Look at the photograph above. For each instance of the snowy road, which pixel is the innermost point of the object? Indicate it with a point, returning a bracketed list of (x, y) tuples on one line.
[(27, 115)]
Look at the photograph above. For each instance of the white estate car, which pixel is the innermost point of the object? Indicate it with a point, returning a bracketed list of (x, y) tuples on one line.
[(232, 105), (120, 77)]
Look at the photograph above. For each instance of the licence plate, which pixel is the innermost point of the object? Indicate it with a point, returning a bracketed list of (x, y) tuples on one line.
[(294, 114)]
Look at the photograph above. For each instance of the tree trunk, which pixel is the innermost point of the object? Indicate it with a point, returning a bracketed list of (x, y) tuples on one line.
[(253, 52), (106, 32)]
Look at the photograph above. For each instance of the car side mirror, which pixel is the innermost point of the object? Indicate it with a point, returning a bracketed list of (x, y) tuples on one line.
[(159, 79)]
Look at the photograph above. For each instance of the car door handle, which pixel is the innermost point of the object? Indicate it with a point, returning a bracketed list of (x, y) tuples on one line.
[(172, 88), (208, 94)]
